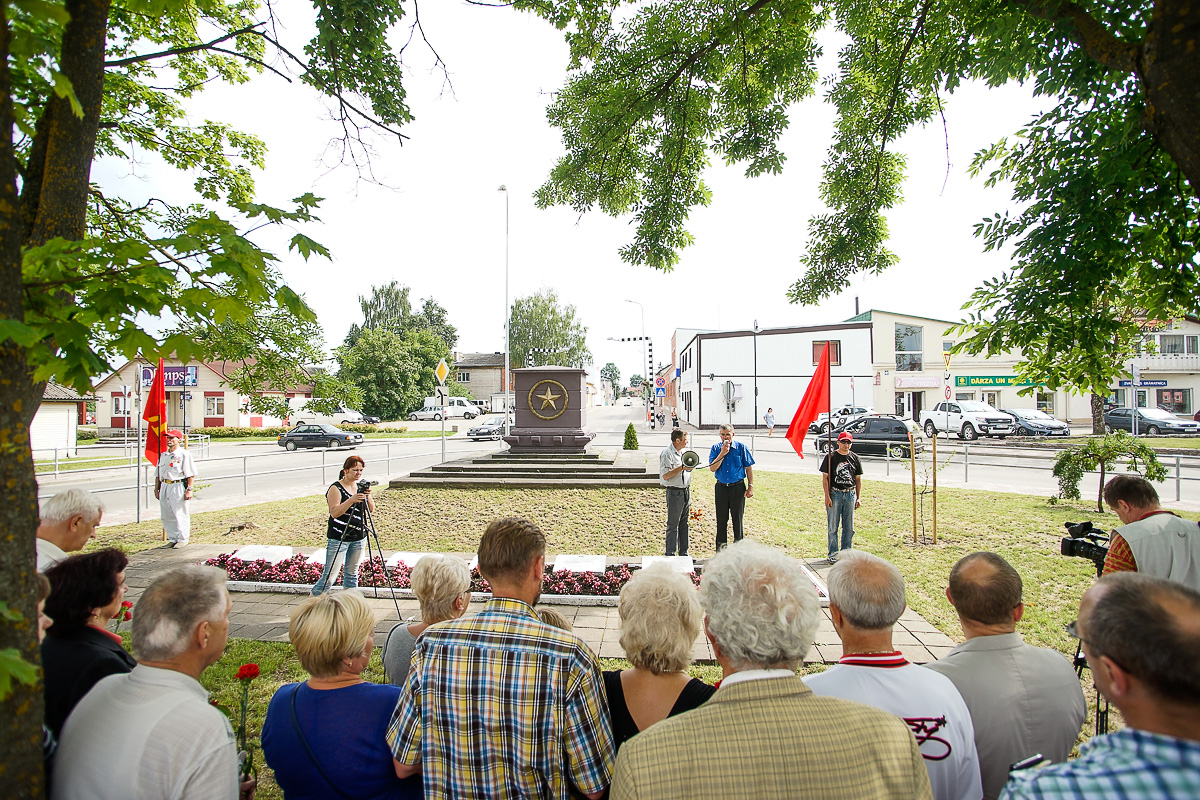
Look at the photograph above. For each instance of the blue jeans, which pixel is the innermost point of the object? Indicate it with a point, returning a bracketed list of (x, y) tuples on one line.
[(335, 552), (841, 511)]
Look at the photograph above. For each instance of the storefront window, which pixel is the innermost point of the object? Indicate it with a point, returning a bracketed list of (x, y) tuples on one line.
[(1177, 401), (1045, 402)]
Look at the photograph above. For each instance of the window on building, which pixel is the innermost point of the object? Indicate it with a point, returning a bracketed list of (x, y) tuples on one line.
[(120, 405), (1118, 397), (910, 348), (1177, 401), (964, 395), (214, 406), (1141, 398), (1045, 402), (464, 377), (1171, 344), (1193, 345), (835, 352)]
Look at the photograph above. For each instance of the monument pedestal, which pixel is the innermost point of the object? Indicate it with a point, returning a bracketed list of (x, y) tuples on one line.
[(550, 404)]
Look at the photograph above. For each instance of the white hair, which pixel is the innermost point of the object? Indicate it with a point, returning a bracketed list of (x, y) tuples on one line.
[(762, 610), (660, 619), (172, 606), (868, 590), (437, 581), (72, 503)]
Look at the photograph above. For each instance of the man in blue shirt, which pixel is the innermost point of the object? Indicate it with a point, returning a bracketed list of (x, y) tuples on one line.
[(732, 464), (1142, 642)]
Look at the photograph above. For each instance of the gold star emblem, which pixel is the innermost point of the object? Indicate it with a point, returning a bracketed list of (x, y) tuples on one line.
[(548, 399)]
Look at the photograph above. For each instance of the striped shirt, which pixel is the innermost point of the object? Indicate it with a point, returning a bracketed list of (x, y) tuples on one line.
[(1124, 765), (500, 705)]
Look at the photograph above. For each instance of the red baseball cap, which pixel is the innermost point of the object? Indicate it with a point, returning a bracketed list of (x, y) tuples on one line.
[(845, 436), (174, 434)]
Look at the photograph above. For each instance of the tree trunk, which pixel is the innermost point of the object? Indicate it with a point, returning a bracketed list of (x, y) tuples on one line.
[(1100, 491), (21, 735), (1170, 77), (1097, 414)]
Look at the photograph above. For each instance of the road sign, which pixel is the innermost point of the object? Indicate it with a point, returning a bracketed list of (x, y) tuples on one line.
[(440, 393), (442, 371), (660, 381), (947, 392), (660, 392), (947, 357)]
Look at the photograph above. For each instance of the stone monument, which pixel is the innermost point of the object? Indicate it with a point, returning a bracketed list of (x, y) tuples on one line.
[(550, 404)]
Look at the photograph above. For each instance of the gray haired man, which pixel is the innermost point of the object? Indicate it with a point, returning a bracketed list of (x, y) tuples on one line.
[(677, 479), (152, 732), (69, 519), (764, 734)]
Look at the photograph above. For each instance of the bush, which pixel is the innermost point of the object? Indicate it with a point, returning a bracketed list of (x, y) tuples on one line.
[(364, 428), (86, 434), (1103, 454), (242, 433), (631, 442)]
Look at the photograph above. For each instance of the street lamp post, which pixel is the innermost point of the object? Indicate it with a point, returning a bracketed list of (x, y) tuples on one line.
[(756, 374), (507, 373)]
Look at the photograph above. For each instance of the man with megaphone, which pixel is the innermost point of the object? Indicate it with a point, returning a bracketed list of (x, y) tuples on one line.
[(675, 474)]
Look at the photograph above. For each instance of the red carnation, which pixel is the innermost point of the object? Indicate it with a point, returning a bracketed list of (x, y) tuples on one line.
[(247, 672)]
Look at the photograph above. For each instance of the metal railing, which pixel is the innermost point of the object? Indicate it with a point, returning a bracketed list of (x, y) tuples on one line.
[(131, 454)]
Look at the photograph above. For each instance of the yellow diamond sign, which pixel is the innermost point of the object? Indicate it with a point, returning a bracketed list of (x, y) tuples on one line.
[(442, 371)]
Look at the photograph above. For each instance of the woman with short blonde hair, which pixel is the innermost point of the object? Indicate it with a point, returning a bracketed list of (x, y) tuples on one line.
[(326, 737), (660, 620), (442, 585)]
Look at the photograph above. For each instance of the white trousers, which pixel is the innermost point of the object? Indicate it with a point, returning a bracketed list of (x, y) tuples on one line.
[(176, 519)]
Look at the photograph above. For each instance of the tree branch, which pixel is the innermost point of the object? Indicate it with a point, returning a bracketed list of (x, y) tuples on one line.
[(1095, 39), (122, 62)]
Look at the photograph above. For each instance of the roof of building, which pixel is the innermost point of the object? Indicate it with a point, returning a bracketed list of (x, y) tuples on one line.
[(56, 393), (866, 316), (479, 360)]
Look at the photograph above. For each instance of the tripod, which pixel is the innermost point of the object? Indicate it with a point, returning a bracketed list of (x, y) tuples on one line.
[(369, 532), (1080, 663)]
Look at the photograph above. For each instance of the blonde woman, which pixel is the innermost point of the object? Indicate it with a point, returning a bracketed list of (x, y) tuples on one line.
[(660, 620), (326, 737), (442, 585)]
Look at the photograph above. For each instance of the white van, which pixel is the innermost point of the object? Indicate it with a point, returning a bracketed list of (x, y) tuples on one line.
[(455, 407), (343, 416)]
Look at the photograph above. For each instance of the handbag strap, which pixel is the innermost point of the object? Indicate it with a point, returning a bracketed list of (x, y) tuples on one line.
[(312, 756)]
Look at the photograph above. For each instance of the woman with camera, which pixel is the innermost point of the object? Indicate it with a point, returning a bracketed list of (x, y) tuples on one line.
[(348, 502)]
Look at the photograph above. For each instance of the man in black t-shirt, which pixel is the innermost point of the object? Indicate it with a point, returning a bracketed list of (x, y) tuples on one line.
[(841, 477)]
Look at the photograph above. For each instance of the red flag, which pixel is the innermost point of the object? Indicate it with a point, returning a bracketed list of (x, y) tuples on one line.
[(155, 415), (816, 397)]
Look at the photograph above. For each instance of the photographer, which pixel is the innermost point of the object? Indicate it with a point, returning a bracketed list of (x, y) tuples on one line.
[(347, 528), (1152, 540)]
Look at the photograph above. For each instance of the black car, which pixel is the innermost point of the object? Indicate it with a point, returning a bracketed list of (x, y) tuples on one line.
[(370, 420), (489, 429), (876, 434), (1032, 422), (319, 436), (1151, 421)]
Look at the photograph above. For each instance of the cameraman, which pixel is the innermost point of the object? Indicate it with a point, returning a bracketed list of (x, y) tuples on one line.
[(1152, 540), (347, 525)]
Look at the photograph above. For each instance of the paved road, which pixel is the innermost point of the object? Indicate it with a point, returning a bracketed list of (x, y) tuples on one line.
[(234, 471)]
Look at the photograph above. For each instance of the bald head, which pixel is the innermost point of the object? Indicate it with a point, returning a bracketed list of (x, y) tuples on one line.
[(984, 588), (867, 590)]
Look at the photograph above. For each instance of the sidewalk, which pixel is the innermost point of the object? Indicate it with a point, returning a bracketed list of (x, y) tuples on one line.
[(264, 615)]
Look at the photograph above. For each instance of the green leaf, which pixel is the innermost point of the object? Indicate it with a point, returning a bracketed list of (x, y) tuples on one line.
[(14, 667)]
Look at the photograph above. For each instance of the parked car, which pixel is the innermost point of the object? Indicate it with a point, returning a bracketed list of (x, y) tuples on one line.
[(1032, 422), (318, 436), (628, 402), (1195, 416), (456, 407), (426, 413), (970, 419), (876, 434), (367, 418), (1151, 421), (342, 416), (840, 417), (488, 429)]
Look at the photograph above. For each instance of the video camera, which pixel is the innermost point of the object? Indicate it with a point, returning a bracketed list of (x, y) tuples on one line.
[(364, 486), (1084, 541)]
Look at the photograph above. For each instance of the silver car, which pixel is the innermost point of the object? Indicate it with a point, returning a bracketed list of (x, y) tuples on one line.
[(426, 413)]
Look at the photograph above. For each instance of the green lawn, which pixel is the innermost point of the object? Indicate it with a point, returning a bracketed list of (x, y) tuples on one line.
[(69, 464), (786, 512)]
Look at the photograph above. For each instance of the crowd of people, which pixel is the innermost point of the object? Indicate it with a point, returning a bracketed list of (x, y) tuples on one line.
[(509, 702)]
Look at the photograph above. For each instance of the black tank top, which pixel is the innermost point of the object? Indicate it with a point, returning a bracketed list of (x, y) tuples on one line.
[(349, 526)]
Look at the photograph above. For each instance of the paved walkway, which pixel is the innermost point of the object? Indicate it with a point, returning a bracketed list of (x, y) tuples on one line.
[(264, 615)]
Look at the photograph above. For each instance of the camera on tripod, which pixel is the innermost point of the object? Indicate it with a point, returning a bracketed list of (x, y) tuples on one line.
[(1084, 541), (364, 486)]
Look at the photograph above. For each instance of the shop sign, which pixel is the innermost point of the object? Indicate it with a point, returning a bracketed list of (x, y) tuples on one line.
[(913, 382), (991, 380), (1144, 383)]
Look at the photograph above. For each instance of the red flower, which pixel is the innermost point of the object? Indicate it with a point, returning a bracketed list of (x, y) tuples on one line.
[(247, 672), (125, 604)]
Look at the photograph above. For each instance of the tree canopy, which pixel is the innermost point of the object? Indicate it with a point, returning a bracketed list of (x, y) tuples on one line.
[(393, 371), (548, 332), (1108, 180), (611, 373), (389, 308)]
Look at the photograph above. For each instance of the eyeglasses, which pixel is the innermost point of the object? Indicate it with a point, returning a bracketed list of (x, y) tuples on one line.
[(1072, 630)]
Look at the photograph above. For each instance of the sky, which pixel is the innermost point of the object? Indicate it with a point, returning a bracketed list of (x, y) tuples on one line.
[(437, 222)]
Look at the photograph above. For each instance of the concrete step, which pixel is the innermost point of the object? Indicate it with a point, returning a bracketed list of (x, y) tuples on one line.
[(565, 469), (526, 457), (466, 481)]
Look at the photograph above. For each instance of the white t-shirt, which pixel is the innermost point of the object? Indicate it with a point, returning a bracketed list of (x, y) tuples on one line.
[(177, 465), (148, 733), (927, 701), (48, 554)]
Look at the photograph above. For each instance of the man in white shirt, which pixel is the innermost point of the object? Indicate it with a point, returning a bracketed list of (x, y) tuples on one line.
[(764, 734), (677, 480), (1024, 700), (173, 488), (866, 598), (152, 732), (69, 520)]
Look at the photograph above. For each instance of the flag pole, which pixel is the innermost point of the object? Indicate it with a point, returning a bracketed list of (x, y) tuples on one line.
[(829, 396)]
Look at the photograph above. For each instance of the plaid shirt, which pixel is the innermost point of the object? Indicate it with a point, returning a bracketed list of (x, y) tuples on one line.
[(1126, 764), (500, 705)]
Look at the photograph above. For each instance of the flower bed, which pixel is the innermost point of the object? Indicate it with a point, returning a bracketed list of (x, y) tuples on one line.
[(299, 570)]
